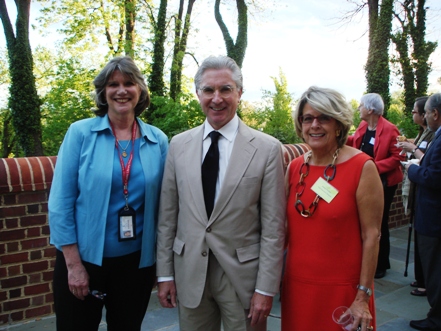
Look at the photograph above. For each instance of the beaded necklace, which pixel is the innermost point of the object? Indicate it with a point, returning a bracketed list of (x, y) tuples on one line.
[(300, 187)]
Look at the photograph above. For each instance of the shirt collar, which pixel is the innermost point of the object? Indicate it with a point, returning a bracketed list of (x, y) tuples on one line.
[(228, 131)]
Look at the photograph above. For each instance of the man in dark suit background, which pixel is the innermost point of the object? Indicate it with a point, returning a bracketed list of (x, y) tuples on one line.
[(427, 177), (221, 264)]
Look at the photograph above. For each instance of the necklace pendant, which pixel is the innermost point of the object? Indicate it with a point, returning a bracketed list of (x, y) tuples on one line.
[(124, 154)]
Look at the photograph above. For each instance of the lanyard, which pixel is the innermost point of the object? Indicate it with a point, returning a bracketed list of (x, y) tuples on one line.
[(126, 169)]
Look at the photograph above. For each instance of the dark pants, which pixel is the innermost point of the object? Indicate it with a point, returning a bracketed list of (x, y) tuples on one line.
[(383, 254), (418, 269), (430, 254), (127, 290)]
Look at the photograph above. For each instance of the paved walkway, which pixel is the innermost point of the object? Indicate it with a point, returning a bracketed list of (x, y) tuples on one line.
[(395, 306)]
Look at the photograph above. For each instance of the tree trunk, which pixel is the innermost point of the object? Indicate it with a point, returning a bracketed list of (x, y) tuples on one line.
[(377, 66), (179, 49), (235, 50), (24, 102), (130, 18)]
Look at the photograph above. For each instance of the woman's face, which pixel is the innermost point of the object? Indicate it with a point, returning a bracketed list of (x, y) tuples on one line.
[(364, 112), (122, 95), (417, 118), (318, 130)]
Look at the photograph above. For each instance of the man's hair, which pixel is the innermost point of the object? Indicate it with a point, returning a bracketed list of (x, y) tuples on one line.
[(218, 63)]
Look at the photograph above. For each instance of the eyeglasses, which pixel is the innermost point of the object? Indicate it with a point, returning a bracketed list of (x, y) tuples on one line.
[(98, 294), (308, 119), (225, 91)]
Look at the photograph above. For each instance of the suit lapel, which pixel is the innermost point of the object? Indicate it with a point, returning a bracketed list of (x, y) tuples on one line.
[(193, 157), (429, 150), (240, 158)]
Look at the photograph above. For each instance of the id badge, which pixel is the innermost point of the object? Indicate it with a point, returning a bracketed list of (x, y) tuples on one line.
[(127, 224)]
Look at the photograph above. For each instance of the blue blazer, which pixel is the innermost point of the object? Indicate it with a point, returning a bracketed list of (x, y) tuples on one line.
[(427, 177), (79, 197)]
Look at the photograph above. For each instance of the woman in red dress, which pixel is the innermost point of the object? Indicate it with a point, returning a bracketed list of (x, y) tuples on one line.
[(334, 215)]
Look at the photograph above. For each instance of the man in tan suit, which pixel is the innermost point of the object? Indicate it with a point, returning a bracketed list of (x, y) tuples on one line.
[(221, 266)]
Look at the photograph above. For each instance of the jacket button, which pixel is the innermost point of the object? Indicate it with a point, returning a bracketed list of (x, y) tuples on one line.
[(208, 230), (204, 253)]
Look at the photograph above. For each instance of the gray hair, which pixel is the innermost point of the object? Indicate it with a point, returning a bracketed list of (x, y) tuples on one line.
[(126, 66), (434, 102), (328, 102), (218, 63), (374, 102)]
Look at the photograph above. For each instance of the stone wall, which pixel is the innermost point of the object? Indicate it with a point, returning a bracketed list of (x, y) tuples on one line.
[(27, 259)]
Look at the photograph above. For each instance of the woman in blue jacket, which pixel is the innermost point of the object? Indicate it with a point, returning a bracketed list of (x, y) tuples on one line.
[(103, 207)]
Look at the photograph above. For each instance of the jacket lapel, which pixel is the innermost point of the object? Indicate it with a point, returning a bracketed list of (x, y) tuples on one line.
[(193, 155), (241, 156)]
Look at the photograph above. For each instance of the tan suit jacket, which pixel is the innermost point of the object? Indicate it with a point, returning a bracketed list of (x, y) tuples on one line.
[(246, 229)]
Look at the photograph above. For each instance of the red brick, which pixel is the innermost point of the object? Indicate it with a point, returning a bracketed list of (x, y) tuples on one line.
[(29, 198), (35, 267), (49, 252), (17, 316), (45, 230), (2, 248), (35, 278), (4, 318), (37, 301), (49, 297), (3, 272), (12, 235), (43, 207), (14, 270), (13, 258), (14, 211), (3, 296), (45, 310), (33, 209), (11, 223), (10, 199), (36, 289), (15, 293), (13, 282), (33, 232), (48, 276), (36, 255), (33, 220), (12, 247), (17, 304), (34, 243)]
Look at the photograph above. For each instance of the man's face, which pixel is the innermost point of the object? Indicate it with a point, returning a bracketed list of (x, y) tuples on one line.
[(218, 96), (431, 116)]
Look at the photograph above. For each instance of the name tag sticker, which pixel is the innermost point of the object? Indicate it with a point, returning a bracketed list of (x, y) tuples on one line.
[(372, 141), (325, 190), (423, 144)]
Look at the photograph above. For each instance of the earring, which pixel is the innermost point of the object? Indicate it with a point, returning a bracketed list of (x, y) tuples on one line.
[(337, 133)]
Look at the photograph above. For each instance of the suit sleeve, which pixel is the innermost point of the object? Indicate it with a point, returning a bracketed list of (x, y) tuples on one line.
[(168, 216), (273, 209), (428, 174), (392, 153)]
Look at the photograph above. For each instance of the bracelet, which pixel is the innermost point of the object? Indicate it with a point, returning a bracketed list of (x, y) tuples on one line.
[(365, 289)]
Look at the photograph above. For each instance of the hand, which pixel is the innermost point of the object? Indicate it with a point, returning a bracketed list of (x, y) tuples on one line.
[(78, 280), (167, 294), (362, 315), (406, 146), (260, 308)]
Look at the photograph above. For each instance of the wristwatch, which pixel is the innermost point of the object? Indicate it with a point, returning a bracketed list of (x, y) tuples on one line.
[(365, 289), (414, 150)]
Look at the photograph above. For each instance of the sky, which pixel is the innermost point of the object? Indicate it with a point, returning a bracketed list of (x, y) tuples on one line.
[(301, 38)]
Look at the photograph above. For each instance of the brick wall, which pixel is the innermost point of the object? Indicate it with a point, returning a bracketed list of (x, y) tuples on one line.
[(27, 259)]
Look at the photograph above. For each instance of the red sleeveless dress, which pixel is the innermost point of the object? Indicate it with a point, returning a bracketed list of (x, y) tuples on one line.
[(324, 251)]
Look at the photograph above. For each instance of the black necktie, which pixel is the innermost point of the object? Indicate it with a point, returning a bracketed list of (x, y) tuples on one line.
[(210, 170)]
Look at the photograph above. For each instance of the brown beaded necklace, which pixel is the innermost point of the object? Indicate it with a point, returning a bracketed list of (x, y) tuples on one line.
[(300, 187)]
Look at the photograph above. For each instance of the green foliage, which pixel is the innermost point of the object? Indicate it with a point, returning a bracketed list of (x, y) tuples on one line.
[(174, 117), (275, 117), (67, 101)]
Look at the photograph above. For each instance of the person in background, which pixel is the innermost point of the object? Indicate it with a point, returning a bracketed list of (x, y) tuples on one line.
[(332, 245), (415, 149), (220, 243), (377, 137), (427, 178), (103, 207)]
